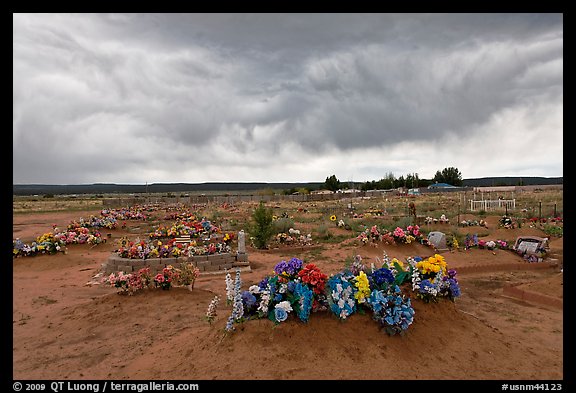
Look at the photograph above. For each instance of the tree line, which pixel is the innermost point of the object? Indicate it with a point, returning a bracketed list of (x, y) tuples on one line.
[(449, 175)]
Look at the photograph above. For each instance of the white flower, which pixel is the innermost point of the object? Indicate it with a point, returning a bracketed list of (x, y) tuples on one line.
[(265, 299), (284, 305), (253, 289)]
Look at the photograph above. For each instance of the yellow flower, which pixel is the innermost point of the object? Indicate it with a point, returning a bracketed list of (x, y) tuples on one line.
[(333, 217), (400, 263), (363, 287)]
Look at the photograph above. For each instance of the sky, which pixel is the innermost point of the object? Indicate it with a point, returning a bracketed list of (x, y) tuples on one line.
[(193, 98)]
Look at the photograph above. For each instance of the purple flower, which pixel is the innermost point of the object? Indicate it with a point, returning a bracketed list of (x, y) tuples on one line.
[(290, 268), (264, 283)]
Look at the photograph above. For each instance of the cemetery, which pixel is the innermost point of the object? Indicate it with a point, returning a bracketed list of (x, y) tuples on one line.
[(355, 279)]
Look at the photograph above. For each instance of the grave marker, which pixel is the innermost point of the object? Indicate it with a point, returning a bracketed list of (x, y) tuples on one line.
[(438, 240)]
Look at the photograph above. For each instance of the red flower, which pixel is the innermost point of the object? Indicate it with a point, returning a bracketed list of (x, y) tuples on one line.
[(311, 274)]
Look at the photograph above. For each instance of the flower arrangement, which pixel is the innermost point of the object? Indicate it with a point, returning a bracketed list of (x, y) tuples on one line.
[(228, 238), (293, 287), (311, 275), (47, 243), (211, 313), (341, 295), (121, 281), (452, 242), (431, 220), (237, 301), (140, 249), (397, 236), (170, 276), (164, 279), (131, 213), (472, 241), (188, 274), (130, 283), (362, 287), (507, 222), (431, 278), (184, 227), (391, 309), (93, 221), (300, 289)]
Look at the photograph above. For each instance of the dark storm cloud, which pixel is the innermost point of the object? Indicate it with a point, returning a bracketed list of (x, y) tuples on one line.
[(142, 94)]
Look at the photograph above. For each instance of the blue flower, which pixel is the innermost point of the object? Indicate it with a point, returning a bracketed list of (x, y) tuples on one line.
[(248, 299), (426, 286), (382, 276), (264, 283), (377, 300), (305, 299), (280, 314), (454, 288), (206, 225)]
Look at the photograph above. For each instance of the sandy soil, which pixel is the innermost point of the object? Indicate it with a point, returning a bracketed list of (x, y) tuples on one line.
[(66, 328)]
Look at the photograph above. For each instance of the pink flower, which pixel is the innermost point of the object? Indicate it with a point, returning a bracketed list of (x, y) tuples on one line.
[(399, 232)]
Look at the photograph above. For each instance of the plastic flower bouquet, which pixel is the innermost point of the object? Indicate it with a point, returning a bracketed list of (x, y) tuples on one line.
[(431, 279), (293, 288), (341, 294), (391, 309)]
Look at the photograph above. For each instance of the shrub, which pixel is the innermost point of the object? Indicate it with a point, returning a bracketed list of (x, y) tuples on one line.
[(283, 225), (262, 229)]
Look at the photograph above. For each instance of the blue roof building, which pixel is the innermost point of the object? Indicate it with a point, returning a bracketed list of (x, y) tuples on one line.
[(440, 185)]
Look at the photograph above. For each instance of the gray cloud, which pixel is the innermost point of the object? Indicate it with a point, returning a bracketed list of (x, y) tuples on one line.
[(130, 98)]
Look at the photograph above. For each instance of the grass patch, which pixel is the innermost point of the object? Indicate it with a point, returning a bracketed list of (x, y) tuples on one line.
[(43, 300)]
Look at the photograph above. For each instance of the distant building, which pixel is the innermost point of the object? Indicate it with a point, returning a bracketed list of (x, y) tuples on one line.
[(443, 187), (349, 191), (440, 186)]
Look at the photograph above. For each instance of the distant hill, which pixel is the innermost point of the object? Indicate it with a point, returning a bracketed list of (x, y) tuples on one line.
[(111, 188), (511, 181)]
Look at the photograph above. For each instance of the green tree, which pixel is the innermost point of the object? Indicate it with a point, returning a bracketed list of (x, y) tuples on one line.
[(262, 228), (449, 175), (332, 183)]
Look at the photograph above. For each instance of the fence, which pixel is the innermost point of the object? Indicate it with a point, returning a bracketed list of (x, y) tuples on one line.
[(219, 199), (487, 204)]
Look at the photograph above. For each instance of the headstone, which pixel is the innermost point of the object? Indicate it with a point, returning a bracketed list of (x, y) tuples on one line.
[(531, 245), (437, 240), (241, 242)]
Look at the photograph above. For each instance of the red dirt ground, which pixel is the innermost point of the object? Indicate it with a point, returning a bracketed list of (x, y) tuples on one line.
[(66, 328)]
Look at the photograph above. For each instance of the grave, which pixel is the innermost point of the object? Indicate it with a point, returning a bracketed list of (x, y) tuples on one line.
[(218, 263)]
